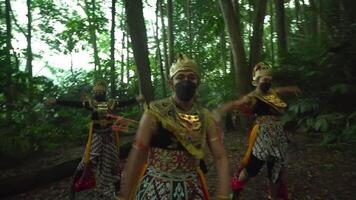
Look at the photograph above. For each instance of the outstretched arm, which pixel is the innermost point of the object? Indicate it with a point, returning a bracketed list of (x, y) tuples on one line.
[(138, 99), (54, 101), (288, 89), (230, 106), (138, 154)]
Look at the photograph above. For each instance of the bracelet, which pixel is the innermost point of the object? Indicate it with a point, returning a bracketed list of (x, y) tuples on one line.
[(139, 146), (221, 197)]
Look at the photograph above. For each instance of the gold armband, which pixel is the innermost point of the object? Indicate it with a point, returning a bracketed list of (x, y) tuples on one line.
[(214, 139), (139, 146)]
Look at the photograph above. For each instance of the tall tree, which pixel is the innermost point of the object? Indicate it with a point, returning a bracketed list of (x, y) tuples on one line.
[(251, 10), (316, 22), (297, 13), (164, 38), (189, 22), (123, 47), (137, 30), (271, 26), (232, 22), (28, 38), (170, 32), (8, 91), (112, 50), (223, 51), (90, 9), (8, 46), (127, 54), (257, 36), (158, 52), (223, 55), (281, 30)]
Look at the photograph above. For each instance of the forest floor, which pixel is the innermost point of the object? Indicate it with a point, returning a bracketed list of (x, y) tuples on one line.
[(314, 172)]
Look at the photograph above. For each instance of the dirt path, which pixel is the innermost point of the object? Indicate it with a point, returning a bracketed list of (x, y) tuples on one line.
[(314, 173)]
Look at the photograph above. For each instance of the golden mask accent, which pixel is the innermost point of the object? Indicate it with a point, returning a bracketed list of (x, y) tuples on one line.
[(102, 108), (191, 122)]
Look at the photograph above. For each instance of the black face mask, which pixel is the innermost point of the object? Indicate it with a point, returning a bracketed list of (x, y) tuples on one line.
[(264, 86), (185, 90), (100, 96)]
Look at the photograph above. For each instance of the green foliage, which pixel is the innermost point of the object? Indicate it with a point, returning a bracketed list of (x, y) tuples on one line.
[(28, 125), (324, 75), (321, 64)]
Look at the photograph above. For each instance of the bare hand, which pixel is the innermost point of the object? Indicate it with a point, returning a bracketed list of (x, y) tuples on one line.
[(217, 116), (140, 98), (296, 90)]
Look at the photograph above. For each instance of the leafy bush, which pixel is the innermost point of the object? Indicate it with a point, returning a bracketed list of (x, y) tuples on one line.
[(328, 81)]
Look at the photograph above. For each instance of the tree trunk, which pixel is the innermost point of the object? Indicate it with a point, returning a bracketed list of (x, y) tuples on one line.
[(256, 40), (232, 21), (28, 38), (189, 21), (112, 50), (271, 31), (95, 46), (223, 59), (281, 30), (251, 10), (8, 46), (24, 182), (316, 7), (127, 54), (159, 54), (123, 46), (164, 38), (170, 32), (138, 36), (8, 91), (313, 18), (297, 14), (223, 52), (39, 177), (90, 12)]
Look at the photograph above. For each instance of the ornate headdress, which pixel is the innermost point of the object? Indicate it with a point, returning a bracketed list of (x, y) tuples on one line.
[(183, 63), (261, 69), (99, 85)]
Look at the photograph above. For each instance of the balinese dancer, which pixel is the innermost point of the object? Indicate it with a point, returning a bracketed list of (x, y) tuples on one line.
[(99, 166), (170, 141), (267, 139)]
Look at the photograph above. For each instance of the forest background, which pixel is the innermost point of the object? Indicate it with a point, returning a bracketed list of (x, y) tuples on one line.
[(58, 48)]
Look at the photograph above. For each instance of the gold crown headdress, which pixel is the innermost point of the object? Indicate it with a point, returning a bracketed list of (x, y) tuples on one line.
[(99, 86), (261, 69), (183, 63)]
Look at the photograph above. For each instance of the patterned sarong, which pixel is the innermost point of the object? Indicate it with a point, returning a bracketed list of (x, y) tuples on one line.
[(172, 174), (271, 143)]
